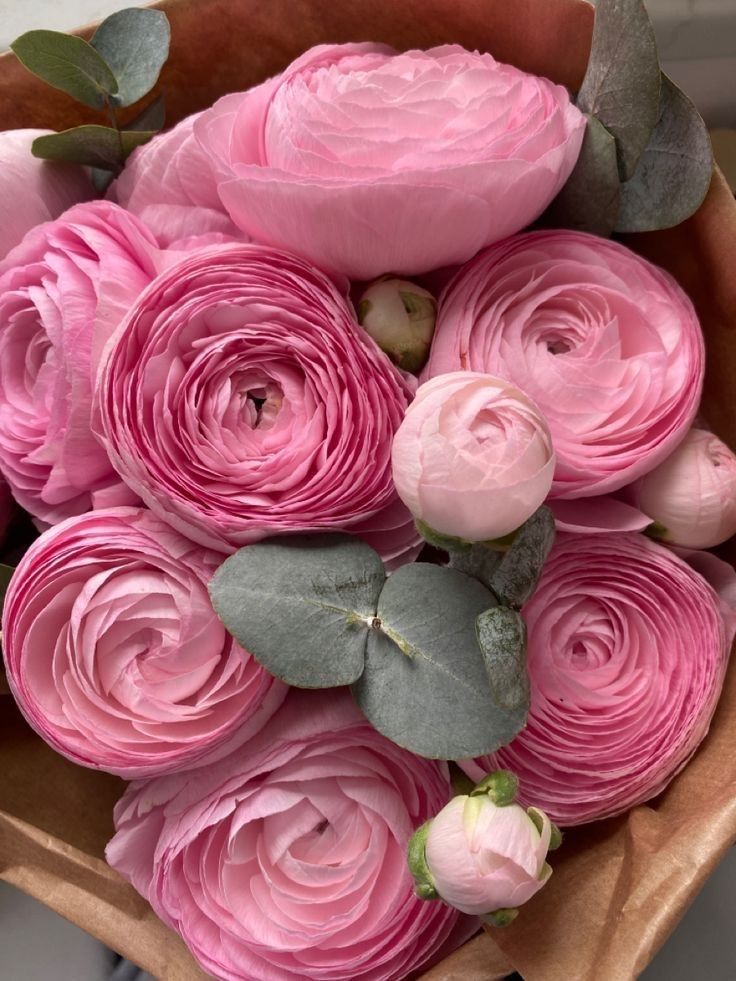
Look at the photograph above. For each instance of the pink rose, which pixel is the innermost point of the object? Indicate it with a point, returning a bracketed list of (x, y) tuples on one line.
[(367, 161), (607, 345), (170, 185), (31, 190), (268, 409), (288, 861), (473, 457), (115, 655), (692, 494), (62, 294), (484, 858), (627, 651)]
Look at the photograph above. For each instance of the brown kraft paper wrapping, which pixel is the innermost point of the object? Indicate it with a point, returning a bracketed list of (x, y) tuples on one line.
[(619, 886)]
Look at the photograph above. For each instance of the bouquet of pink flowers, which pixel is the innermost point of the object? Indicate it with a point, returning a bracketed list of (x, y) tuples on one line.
[(369, 488)]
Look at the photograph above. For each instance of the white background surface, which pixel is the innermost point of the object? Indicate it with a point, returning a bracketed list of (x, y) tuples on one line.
[(698, 44)]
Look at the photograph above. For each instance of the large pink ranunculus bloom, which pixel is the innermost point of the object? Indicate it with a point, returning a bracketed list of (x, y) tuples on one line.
[(627, 651), (115, 654), (33, 191), (171, 186), (367, 161), (240, 399), (607, 345), (289, 861), (473, 457), (63, 292)]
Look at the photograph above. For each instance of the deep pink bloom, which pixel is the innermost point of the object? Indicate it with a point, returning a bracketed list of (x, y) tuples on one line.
[(367, 161), (63, 292), (607, 345), (240, 399), (170, 185), (473, 457), (289, 861), (115, 655), (627, 651), (33, 191)]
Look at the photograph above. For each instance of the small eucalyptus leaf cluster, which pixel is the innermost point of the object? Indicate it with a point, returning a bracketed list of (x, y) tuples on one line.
[(115, 69), (646, 160), (435, 655)]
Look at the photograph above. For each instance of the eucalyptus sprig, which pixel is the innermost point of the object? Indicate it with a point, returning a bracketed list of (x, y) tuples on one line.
[(115, 69), (646, 160)]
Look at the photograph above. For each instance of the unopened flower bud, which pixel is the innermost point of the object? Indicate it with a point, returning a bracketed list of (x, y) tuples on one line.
[(400, 317), (691, 496), (484, 858)]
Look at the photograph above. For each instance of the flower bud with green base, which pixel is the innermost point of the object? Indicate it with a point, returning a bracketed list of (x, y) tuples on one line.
[(483, 853), (400, 317)]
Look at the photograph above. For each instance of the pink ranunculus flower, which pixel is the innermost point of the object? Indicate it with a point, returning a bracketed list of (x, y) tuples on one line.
[(473, 457), (627, 651), (114, 652), (33, 191), (170, 185), (268, 409), (607, 345), (367, 161), (692, 494), (288, 861), (484, 857), (63, 292)]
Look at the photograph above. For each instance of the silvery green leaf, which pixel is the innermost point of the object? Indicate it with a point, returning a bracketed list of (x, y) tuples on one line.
[(135, 44), (303, 605), (425, 684), (517, 575), (480, 562), (674, 173), (502, 639), (94, 146), (67, 63), (621, 85), (589, 201)]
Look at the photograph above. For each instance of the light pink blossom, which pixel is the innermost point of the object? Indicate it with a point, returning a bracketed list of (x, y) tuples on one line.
[(115, 654), (627, 651), (367, 161), (607, 345), (289, 860), (473, 457)]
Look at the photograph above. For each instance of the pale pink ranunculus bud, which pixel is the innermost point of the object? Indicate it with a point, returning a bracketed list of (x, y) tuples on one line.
[(607, 344), (485, 857), (692, 495), (400, 317), (33, 191), (473, 458), (368, 161)]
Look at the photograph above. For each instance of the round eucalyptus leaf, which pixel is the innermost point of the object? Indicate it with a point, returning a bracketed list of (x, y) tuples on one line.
[(135, 44), (502, 639), (621, 84), (425, 684), (67, 63), (517, 575), (302, 605)]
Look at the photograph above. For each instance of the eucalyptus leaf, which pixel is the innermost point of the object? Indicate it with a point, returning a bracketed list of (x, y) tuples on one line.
[(480, 562), (135, 44), (589, 201), (674, 173), (425, 684), (517, 575), (152, 117), (502, 640), (67, 63), (303, 605), (94, 146), (621, 85)]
